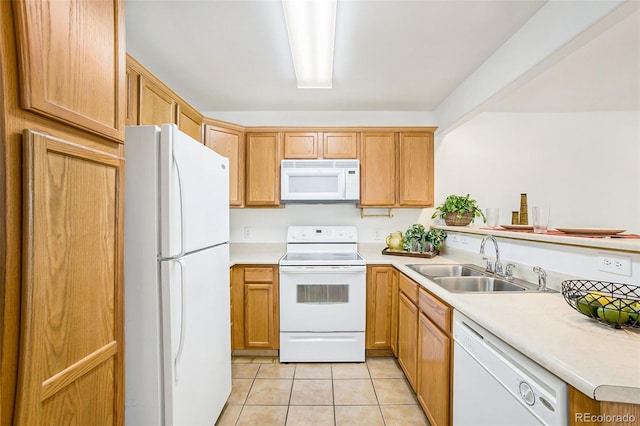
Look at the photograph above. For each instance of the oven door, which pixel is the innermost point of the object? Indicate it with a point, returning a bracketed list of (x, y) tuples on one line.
[(322, 298)]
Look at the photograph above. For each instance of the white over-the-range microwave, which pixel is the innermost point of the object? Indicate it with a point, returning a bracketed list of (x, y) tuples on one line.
[(320, 181)]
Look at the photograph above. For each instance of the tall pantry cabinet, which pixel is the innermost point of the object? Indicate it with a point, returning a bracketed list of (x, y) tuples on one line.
[(62, 69)]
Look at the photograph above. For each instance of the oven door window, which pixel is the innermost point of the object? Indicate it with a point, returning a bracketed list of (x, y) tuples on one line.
[(322, 293)]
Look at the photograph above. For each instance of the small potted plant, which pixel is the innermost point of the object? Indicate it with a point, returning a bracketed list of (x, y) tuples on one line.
[(418, 240), (458, 211), (415, 238), (436, 237)]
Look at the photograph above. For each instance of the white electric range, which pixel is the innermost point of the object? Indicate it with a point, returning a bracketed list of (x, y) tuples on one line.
[(322, 296)]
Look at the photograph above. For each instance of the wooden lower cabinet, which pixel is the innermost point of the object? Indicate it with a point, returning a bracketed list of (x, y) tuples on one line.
[(584, 410), (382, 307), (434, 371), (424, 348), (408, 337), (72, 343), (255, 315)]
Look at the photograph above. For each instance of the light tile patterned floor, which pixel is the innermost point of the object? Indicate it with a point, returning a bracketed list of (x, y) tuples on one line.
[(267, 393)]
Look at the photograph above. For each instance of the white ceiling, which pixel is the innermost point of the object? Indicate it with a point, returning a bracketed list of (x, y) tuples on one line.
[(390, 55)]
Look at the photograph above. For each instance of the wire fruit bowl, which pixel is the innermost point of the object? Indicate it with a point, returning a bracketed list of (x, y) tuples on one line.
[(614, 304)]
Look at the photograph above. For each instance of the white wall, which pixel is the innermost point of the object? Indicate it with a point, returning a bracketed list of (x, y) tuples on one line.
[(586, 166), (270, 225)]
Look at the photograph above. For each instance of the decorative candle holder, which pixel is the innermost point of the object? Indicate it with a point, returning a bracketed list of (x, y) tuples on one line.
[(524, 216)]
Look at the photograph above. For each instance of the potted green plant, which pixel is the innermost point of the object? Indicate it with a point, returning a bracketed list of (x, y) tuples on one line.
[(436, 237), (415, 237), (418, 239), (458, 210)]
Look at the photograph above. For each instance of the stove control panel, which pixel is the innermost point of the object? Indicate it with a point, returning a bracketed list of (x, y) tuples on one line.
[(322, 234)]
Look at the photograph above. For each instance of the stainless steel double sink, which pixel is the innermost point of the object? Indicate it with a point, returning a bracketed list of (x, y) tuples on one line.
[(470, 279)]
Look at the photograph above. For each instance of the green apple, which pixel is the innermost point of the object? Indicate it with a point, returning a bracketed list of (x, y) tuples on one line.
[(588, 305), (613, 315), (634, 313)]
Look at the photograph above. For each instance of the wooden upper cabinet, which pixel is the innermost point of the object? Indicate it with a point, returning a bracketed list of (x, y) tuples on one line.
[(229, 143), (132, 82), (416, 169), (72, 62), (302, 145), (263, 169), (156, 104), (190, 121), (396, 169), (340, 145), (378, 169), (319, 145), (72, 331)]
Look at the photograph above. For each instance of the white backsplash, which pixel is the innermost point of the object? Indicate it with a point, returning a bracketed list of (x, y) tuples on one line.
[(270, 225), (563, 262)]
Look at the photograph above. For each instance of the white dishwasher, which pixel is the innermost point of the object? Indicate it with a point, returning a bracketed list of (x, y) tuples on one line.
[(493, 384)]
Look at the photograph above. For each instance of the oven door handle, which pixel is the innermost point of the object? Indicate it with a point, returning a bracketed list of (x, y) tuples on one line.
[(322, 269)]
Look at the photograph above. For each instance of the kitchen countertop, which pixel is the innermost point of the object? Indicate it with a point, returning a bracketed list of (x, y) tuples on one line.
[(629, 245), (598, 360), (252, 254)]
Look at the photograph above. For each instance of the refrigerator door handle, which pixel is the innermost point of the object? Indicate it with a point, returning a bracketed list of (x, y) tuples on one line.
[(182, 322), (182, 209)]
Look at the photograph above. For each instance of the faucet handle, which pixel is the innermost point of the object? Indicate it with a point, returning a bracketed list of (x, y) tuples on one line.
[(488, 267), (508, 272), (542, 278)]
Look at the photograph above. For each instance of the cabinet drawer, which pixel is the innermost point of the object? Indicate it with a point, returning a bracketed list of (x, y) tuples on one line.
[(408, 287), (435, 310), (258, 275)]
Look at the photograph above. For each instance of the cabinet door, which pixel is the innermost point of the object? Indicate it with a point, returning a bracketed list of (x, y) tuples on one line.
[(190, 121), (261, 312), (156, 104), (133, 96), (434, 372), (394, 312), (340, 145), (229, 143), (72, 62), (416, 169), (378, 170), (380, 281), (408, 338), (263, 169), (258, 315), (237, 307), (301, 145), (71, 362)]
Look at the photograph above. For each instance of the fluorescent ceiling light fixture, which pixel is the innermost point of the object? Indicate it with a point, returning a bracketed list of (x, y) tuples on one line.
[(311, 25)]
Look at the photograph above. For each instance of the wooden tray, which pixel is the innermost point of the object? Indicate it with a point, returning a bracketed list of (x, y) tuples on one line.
[(426, 255)]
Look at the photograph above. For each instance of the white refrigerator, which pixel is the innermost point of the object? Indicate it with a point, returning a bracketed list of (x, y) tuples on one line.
[(177, 322)]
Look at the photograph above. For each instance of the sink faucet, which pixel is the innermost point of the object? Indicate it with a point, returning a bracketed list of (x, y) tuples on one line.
[(542, 278), (497, 269)]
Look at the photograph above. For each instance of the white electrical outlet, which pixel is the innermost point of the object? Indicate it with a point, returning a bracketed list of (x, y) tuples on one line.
[(247, 232), (377, 236), (620, 265)]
